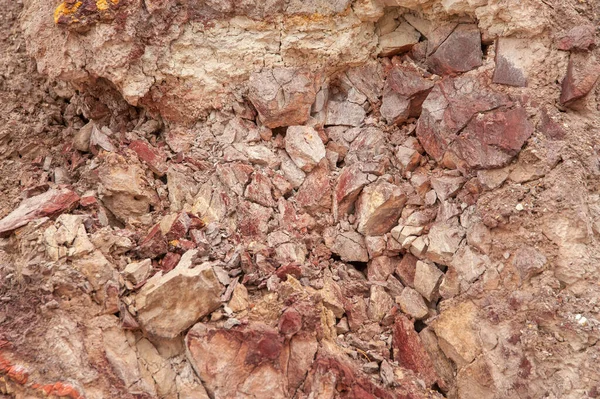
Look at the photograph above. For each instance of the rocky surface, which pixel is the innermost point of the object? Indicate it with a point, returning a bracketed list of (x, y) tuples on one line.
[(299, 199)]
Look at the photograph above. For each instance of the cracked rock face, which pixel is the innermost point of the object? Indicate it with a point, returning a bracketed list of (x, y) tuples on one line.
[(299, 199)]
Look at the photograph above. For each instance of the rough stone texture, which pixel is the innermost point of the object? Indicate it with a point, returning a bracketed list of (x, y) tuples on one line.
[(304, 146), (582, 74), (403, 95), (459, 52), (412, 303), (456, 333), (185, 293), (577, 38), (516, 59), (427, 280), (350, 246), (379, 207)]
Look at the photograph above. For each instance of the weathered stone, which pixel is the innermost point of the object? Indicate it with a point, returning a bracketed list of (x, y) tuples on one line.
[(455, 328), (469, 264), (350, 246), (169, 303), (239, 298), (260, 190), (459, 52), (379, 207), (253, 358), (492, 178), (51, 203), (441, 364), (332, 297), (449, 108), (403, 95), (81, 138), (282, 96), (410, 352), (181, 187), (479, 237), (344, 113), (369, 144), (380, 303), (528, 261), (153, 157), (125, 190), (314, 194), (380, 268), (515, 59), (427, 280), (400, 40), (253, 219), (447, 186), (304, 146), (348, 187), (211, 201), (444, 241), (292, 173), (175, 226), (582, 37), (409, 158), (412, 303), (368, 79), (476, 380), (583, 72), (375, 245), (138, 272), (405, 269)]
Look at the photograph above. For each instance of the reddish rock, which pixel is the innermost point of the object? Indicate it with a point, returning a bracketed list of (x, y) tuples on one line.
[(314, 194), (459, 52), (509, 70), (406, 268), (178, 228), (260, 190), (290, 322), (368, 79), (169, 262), (403, 95), (380, 268), (493, 139), (348, 187), (252, 219), (291, 269), (350, 246), (151, 156), (51, 203), (581, 37), (282, 96), (379, 208), (154, 244), (582, 74), (552, 129), (409, 351), (304, 146)]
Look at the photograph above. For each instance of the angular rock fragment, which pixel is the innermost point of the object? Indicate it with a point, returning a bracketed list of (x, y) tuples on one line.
[(380, 268), (50, 203), (211, 202), (348, 187), (469, 264), (282, 96), (515, 59), (138, 272), (400, 40), (447, 186), (444, 241), (457, 335), (314, 194), (406, 268), (368, 79), (583, 72), (155, 159), (427, 280), (350, 246), (252, 219), (441, 364), (169, 303), (380, 303), (379, 207), (260, 190), (580, 37), (403, 95), (304, 146), (410, 352), (528, 261), (459, 52), (412, 303), (344, 113)]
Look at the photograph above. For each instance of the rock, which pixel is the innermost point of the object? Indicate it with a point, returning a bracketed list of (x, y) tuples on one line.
[(371, 368), (125, 190), (282, 96), (348, 187), (181, 188), (444, 241), (447, 186), (582, 74), (441, 364), (81, 138), (493, 178), (350, 246), (314, 194), (479, 237), (380, 268), (515, 60), (427, 280), (529, 262), (403, 95), (410, 352), (342, 326), (292, 173), (405, 270), (582, 37), (138, 272), (304, 146), (368, 79), (153, 244), (450, 107), (493, 139), (375, 245), (380, 303), (344, 113), (48, 204), (211, 201), (379, 207), (455, 329), (260, 190), (332, 297), (239, 299), (197, 293), (551, 129), (476, 380), (368, 145), (155, 159), (412, 303), (409, 158), (459, 52), (269, 367), (469, 264), (175, 226), (259, 154), (417, 246), (398, 41), (252, 219)]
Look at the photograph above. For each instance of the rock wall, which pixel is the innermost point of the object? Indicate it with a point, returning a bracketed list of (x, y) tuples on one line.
[(301, 199)]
